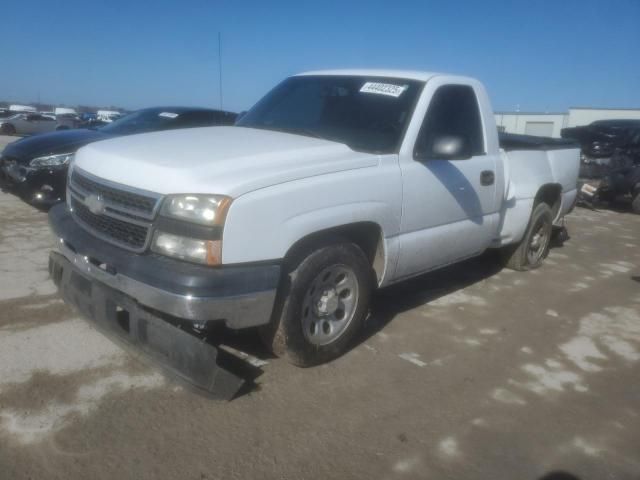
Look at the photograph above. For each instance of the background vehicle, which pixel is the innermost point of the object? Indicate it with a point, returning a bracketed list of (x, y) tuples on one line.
[(108, 115), (67, 121), (87, 117), (37, 166), (334, 184), (27, 124), (610, 161)]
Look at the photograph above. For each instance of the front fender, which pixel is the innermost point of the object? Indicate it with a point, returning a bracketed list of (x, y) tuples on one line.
[(264, 224)]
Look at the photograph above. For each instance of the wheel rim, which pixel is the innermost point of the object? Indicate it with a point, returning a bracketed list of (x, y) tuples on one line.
[(538, 242), (329, 304)]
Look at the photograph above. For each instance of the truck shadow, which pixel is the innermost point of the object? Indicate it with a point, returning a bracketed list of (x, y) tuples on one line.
[(458, 186), (559, 475), (391, 301), (387, 303), (407, 295)]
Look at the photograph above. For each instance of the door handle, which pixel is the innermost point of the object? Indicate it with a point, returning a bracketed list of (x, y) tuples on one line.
[(487, 177)]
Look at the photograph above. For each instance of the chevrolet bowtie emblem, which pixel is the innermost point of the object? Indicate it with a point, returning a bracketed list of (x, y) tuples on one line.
[(95, 204)]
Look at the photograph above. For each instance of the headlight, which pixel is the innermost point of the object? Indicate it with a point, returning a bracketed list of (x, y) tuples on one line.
[(207, 252), (203, 209), (52, 160)]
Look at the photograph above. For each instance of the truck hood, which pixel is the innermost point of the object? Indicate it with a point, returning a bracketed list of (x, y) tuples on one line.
[(217, 160)]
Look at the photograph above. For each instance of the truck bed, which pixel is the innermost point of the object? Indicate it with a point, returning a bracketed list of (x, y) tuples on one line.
[(512, 141), (532, 162)]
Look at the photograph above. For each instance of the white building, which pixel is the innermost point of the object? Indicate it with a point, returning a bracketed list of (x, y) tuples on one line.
[(550, 124)]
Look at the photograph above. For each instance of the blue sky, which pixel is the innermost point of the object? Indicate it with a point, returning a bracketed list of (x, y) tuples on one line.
[(540, 55)]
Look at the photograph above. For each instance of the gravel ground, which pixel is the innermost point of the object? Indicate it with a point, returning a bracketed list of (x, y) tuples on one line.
[(4, 139), (471, 372)]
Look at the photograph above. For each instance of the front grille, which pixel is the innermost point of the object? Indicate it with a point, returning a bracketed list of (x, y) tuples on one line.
[(116, 213), (124, 233), (135, 202)]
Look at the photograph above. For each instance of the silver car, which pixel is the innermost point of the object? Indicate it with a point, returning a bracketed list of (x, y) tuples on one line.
[(27, 124)]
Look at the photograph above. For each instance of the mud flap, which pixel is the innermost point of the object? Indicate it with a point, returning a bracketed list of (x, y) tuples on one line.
[(123, 320)]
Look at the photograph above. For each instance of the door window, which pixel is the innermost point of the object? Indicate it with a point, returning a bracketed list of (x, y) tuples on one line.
[(453, 111)]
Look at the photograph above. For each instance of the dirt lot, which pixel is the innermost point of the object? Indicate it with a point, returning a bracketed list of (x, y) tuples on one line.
[(4, 139), (471, 372)]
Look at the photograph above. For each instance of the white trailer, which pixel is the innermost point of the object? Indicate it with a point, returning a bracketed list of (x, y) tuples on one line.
[(22, 108)]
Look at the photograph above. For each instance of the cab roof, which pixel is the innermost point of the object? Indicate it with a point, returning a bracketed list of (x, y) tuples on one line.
[(408, 74)]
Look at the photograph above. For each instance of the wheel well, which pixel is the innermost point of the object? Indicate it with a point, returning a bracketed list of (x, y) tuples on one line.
[(551, 194), (366, 235)]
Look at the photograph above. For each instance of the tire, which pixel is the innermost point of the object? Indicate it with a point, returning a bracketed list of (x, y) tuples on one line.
[(534, 246), (8, 129), (322, 305)]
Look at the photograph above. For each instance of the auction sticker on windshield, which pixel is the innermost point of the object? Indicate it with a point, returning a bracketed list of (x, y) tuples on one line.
[(384, 89), (168, 115)]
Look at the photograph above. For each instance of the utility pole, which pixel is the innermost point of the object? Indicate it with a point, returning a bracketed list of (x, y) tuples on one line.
[(220, 66)]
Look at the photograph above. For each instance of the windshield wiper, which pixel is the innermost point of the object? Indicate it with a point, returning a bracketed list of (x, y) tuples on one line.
[(293, 131)]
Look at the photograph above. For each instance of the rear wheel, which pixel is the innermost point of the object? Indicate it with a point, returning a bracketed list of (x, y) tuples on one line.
[(323, 305), (7, 129), (534, 246)]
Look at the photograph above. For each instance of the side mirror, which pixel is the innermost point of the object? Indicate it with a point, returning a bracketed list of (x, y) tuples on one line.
[(450, 147)]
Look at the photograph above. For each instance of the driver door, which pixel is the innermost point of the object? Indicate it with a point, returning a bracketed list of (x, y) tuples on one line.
[(449, 202)]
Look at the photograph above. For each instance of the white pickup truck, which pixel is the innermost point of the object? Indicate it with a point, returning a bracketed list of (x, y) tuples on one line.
[(335, 184)]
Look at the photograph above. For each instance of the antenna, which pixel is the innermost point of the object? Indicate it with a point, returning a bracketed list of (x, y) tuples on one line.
[(220, 66)]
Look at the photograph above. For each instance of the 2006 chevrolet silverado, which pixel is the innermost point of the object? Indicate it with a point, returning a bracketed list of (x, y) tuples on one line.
[(334, 184)]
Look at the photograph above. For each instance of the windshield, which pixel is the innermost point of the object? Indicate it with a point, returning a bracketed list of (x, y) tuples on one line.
[(147, 120), (366, 113)]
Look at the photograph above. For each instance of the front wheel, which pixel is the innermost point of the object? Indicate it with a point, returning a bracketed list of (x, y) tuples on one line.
[(323, 305), (534, 246)]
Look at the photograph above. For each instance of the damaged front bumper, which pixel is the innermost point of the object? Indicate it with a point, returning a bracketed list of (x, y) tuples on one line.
[(114, 288), (121, 318)]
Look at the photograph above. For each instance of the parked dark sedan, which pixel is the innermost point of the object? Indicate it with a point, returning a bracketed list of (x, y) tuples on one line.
[(36, 167)]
